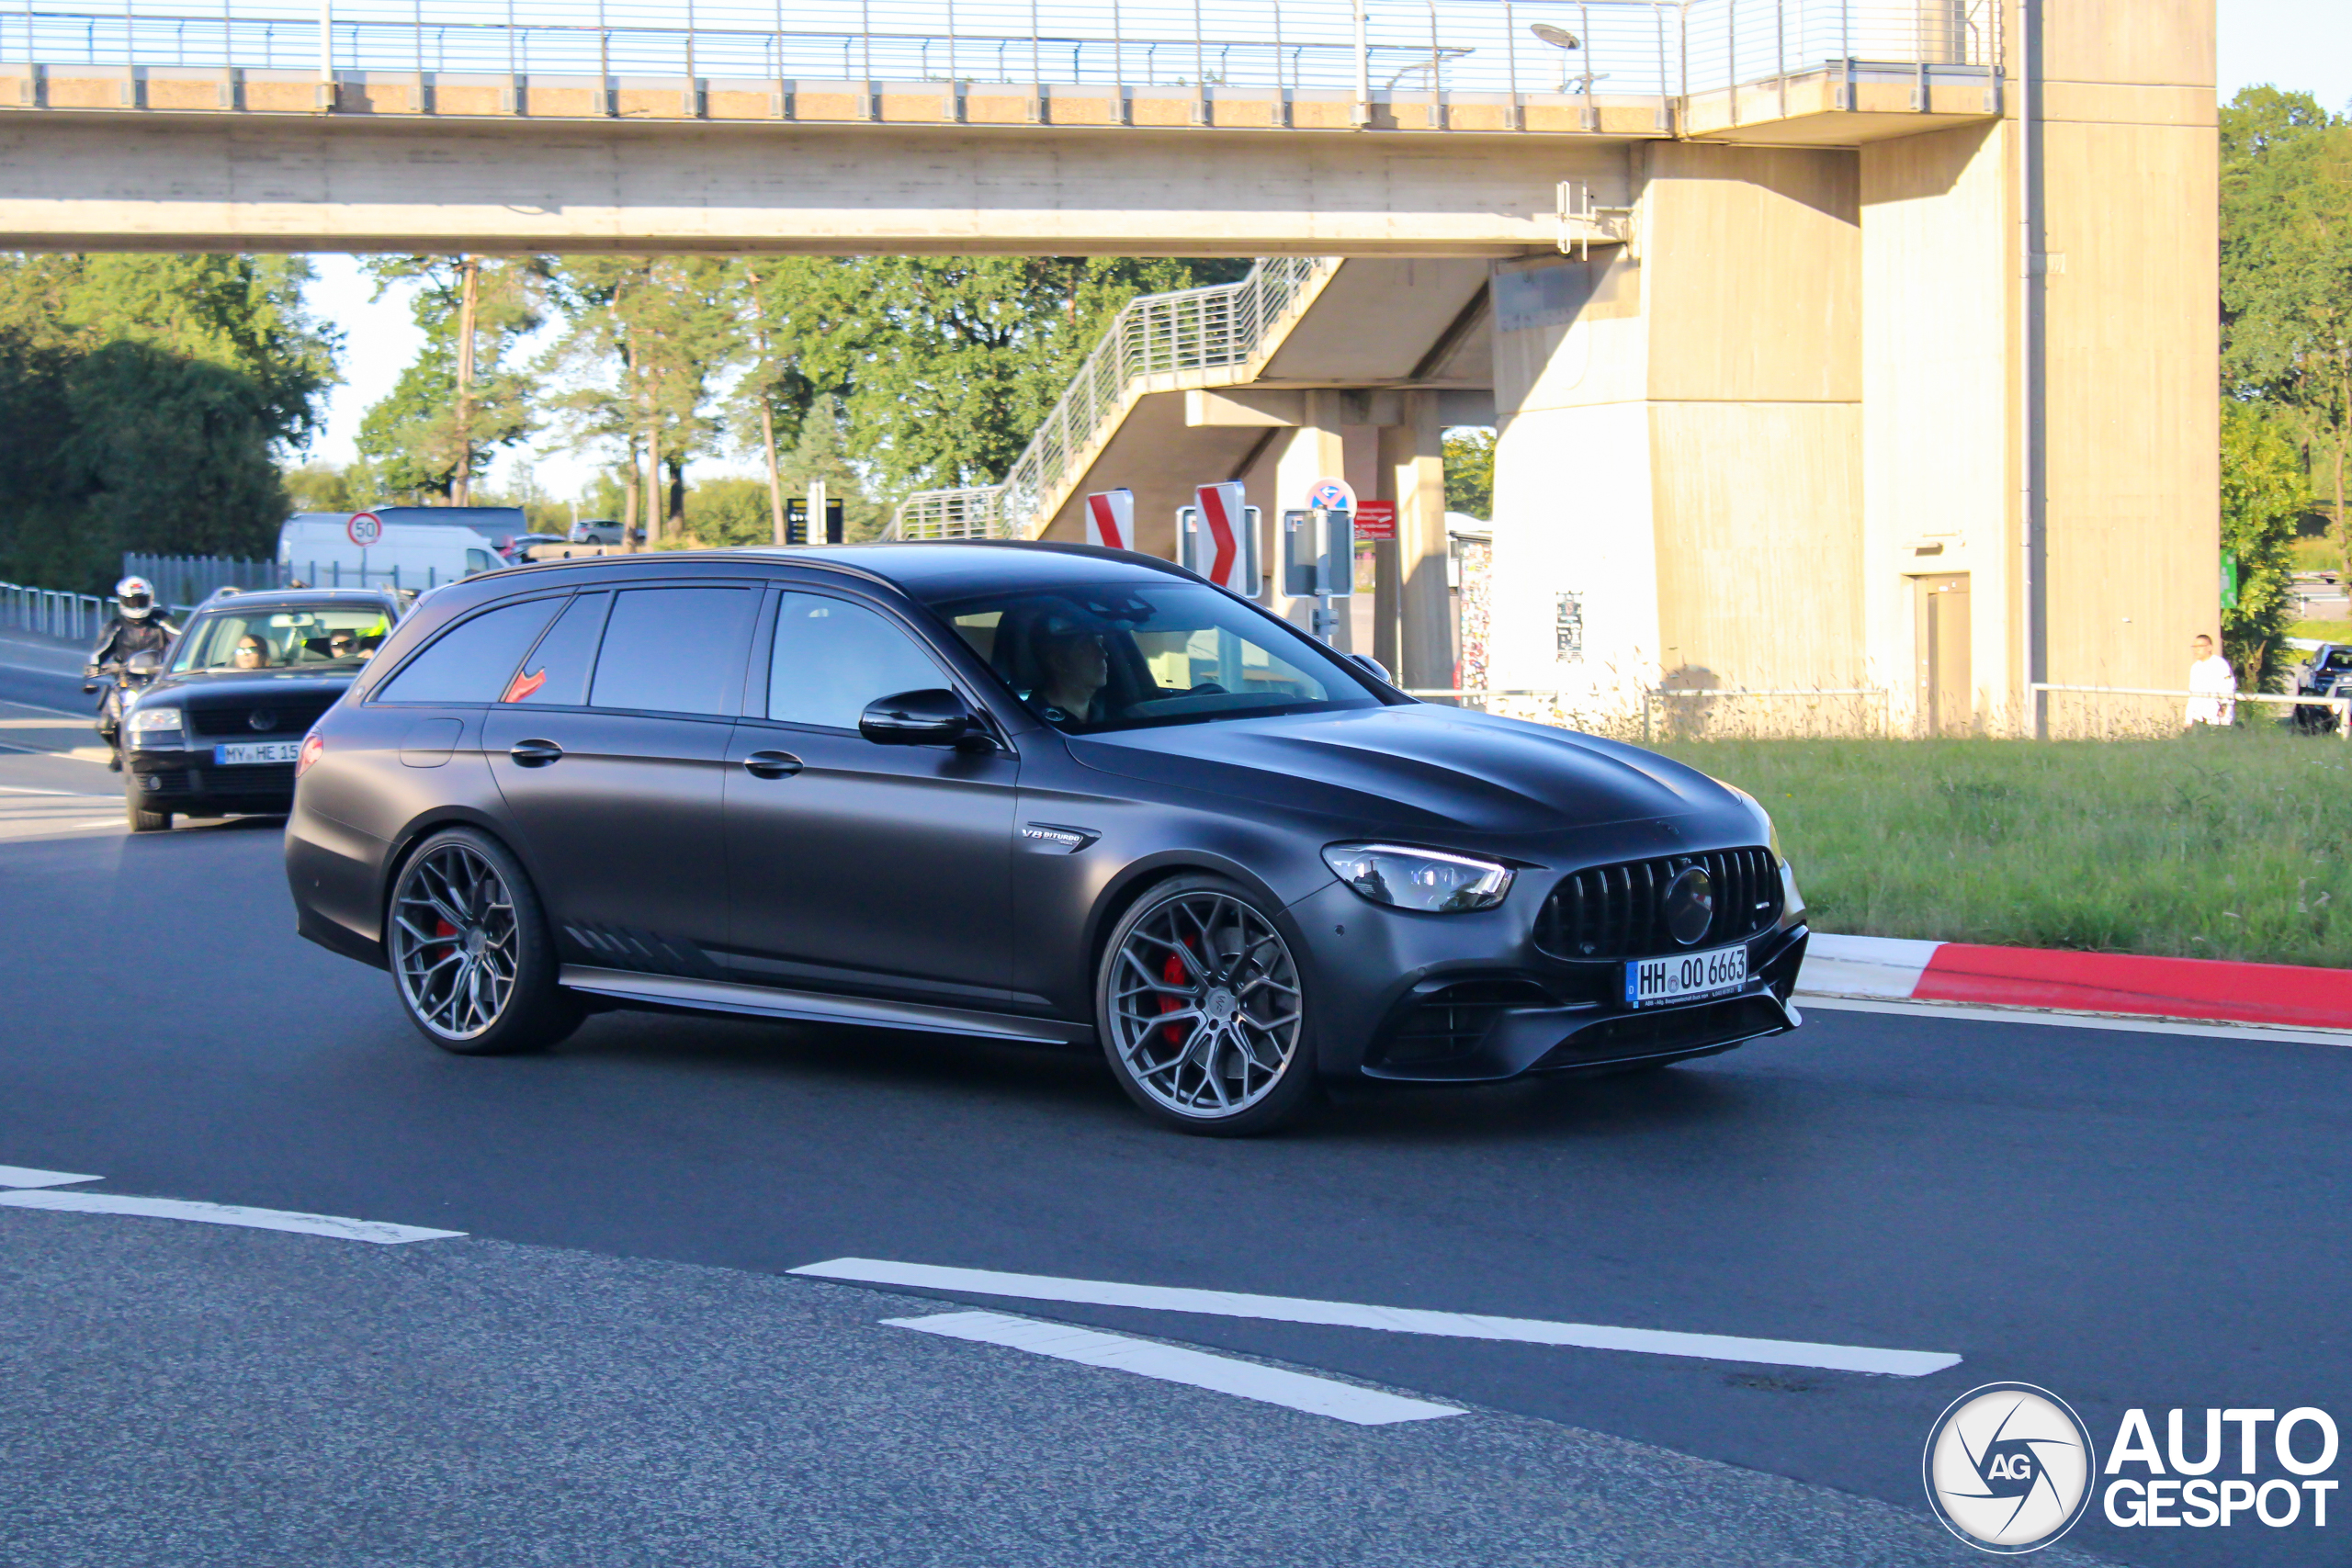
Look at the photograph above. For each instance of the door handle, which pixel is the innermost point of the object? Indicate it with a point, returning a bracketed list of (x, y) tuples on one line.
[(534, 753), (771, 764)]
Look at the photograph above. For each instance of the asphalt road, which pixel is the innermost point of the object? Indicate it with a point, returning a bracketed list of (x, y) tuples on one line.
[(2128, 1219)]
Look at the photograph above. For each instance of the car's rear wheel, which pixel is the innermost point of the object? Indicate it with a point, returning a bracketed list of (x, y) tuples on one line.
[(1202, 1011), (472, 958), (134, 808)]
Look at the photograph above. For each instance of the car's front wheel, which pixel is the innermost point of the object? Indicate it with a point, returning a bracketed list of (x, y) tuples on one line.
[(134, 808), (470, 952), (1202, 1011)]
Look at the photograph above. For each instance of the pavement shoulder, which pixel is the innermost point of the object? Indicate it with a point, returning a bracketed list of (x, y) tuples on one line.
[(195, 1395)]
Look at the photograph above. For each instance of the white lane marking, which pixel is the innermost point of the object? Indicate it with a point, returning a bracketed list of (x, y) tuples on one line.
[(333, 1225), (2126, 1022), (1169, 1363), (64, 794), (1394, 1320), (25, 1176)]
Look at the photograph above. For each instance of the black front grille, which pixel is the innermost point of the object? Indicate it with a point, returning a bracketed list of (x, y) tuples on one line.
[(231, 719), (1447, 1025), (1619, 911)]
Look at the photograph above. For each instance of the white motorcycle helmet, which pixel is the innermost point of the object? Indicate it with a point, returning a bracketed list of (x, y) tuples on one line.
[(135, 596)]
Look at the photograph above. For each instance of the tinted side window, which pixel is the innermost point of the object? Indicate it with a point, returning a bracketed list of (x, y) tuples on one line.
[(469, 662), (833, 657), (557, 670), (674, 649)]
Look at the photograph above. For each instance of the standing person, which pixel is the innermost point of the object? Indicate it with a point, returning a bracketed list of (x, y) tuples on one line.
[(2215, 683)]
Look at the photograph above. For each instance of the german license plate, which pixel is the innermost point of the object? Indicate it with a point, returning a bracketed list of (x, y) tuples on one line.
[(250, 751), (1649, 981)]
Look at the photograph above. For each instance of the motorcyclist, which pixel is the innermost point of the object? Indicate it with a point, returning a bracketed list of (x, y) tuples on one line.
[(137, 627)]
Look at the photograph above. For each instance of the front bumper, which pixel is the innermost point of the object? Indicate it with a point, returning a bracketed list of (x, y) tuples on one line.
[(189, 783), (1469, 998)]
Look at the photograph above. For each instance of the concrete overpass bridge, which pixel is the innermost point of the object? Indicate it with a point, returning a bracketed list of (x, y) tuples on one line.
[(1831, 342)]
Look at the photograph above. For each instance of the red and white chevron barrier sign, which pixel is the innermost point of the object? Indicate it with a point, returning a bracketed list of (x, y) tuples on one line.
[(1225, 555), (1110, 519)]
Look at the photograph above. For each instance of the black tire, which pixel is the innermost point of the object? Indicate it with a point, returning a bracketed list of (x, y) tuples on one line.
[(1206, 948), (135, 812), (467, 945)]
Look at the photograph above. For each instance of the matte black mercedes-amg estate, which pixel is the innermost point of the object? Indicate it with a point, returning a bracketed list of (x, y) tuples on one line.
[(1024, 792)]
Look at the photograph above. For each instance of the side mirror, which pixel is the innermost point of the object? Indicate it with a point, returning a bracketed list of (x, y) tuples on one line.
[(146, 661), (935, 716), (1375, 666)]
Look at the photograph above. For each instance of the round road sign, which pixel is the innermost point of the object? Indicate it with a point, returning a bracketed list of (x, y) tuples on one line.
[(364, 528), (1332, 495)]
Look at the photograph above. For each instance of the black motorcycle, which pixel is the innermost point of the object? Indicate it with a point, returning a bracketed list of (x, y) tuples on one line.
[(118, 683)]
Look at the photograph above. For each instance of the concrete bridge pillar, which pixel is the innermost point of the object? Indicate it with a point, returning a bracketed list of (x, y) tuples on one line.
[(1678, 465)]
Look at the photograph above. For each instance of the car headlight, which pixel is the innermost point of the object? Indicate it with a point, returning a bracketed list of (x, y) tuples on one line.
[(158, 727), (1419, 879)]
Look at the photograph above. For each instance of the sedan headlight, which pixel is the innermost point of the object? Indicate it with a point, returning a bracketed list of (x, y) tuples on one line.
[(1419, 879), (158, 727)]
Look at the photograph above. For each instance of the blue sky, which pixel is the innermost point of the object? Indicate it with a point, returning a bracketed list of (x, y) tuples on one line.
[(2302, 44)]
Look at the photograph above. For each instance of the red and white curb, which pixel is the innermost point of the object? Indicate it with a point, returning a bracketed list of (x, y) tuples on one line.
[(1891, 969)]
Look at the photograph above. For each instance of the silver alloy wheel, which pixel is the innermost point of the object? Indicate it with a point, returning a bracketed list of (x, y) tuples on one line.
[(1205, 1005), (454, 942)]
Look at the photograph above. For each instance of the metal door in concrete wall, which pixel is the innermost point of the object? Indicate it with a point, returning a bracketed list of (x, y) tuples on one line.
[(1946, 696)]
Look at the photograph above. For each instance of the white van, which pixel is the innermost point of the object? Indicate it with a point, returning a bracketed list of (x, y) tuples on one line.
[(399, 546)]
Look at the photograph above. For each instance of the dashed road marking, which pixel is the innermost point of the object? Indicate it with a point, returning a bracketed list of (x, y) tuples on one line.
[(25, 1176), (1171, 1364), (1394, 1320), (341, 1229)]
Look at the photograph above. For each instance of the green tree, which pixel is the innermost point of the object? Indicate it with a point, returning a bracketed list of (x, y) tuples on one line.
[(2286, 272), (1470, 471), (147, 402), (944, 365), (2264, 491), (462, 399), (645, 341), (324, 487)]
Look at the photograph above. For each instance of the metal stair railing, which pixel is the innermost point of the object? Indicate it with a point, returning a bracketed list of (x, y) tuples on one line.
[(1155, 336)]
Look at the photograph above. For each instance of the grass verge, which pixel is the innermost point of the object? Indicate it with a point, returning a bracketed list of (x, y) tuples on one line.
[(2225, 844)]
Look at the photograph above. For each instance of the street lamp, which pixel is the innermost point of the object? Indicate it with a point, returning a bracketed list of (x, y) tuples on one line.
[(1559, 38)]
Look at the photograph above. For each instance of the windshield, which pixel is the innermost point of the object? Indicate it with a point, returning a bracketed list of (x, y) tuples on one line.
[(2338, 659), (299, 638), (1122, 658)]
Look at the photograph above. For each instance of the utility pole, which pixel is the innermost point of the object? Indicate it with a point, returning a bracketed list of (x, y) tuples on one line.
[(768, 413), (461, 490)]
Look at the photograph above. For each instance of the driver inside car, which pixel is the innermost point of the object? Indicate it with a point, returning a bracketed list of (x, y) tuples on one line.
[(1073, 668)]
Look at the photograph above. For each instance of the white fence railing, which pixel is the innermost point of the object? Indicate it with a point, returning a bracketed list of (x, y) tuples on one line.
[(1623, 48), (1155, 334), (75, 617)]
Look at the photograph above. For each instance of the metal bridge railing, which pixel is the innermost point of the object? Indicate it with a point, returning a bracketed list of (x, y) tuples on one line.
[(50, 612), (1192, 330), (1623, 48)]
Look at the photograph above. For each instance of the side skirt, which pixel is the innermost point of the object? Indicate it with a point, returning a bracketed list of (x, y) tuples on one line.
[(813, 1007)]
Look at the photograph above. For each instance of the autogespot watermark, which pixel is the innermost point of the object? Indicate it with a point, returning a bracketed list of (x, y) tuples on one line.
[(2010, 1467)]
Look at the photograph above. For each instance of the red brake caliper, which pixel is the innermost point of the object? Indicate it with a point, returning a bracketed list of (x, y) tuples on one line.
[(1173, 973), (440, 928)]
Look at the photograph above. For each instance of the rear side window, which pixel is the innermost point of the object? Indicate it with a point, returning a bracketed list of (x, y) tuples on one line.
[(470, 662), (673, 650), (557, 670), (833, 657)]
